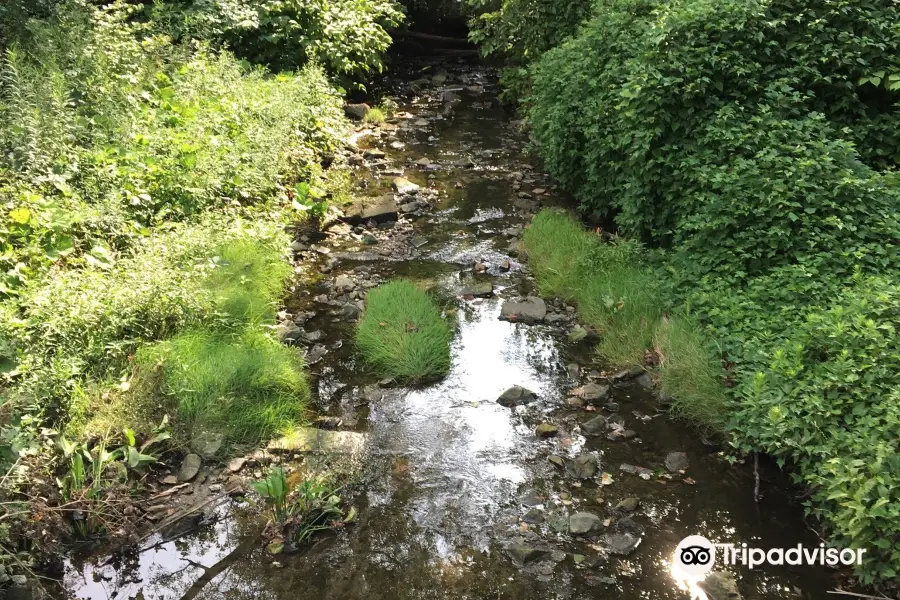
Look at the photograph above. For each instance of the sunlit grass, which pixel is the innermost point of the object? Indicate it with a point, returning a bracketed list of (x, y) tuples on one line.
[(403, 334)]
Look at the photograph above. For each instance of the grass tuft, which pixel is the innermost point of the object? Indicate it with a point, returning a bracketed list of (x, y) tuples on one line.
[(248, 280), (374, 115), (403, 335), (247, 386), (621, 296)]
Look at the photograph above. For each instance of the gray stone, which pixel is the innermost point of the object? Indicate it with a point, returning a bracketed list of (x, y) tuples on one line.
[(343, 284), (449, 96), (641, 472), (534, 516), (529, 310), (645, 381), (404, 186), (720, 586), (379, 210), (349, 312), (482, 289), (524, 553), (374, 154), (595, 426), (424, 162), (628, 505), (314, 336), (207, 444), (583, 466), (583, 522), (189, 467), (515, 396), (573, 369), (621, 544), (409, 207), (356, 111), (236, 464), (594, 392), (558, 524), (676, 462), (546, 430), (288, 332)]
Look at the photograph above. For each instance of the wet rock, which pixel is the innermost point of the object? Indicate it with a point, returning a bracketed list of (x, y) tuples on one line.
[(558, 524), (482, 289), (627, 374), (595, 426), (421, 122), (529, 310), (397, 145), (343, 284), (628, 505), (641, 472), (374, 154), (189, 467), (644, 380), (404, 186), (524, 553), (534, 517), (557, 461), (584, 522), (504, 265), (236, 464), (288, 332), (621, 544), (720, 586), (356, 111), (546, 430), (676, 462), (424, 162), (372, 209), (320, 441), (621, 434), (450, 96), (573, 370), (531, 498), (409, 207), (516, 396), (314, 336), (584, 466), (328, 422), (349, 312), (595, 393)]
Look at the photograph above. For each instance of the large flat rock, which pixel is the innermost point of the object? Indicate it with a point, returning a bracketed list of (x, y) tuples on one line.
[(380, 210), (320, 441), (529, 310)]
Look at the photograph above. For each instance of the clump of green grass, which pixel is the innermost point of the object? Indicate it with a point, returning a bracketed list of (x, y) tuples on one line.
[(403, 334), (689, 374), (613, 289), (621, 296), (248, 280), (374, 115), (247, 386)]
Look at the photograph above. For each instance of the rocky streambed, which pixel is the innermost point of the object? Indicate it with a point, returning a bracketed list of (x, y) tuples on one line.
[(533, 470)]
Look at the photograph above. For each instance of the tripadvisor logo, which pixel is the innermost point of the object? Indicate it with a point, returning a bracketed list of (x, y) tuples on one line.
[(696, 556)]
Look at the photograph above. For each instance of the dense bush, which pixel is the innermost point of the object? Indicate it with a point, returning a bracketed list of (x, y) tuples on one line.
[(347, 37), (108, 133), (755, 142), (519, 31)]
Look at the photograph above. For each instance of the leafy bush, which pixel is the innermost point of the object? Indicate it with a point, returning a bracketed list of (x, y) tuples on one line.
[(828, 405), (246, 385), (402, 333), (519, 31), (112, 132), (748, 139), (347, 37)]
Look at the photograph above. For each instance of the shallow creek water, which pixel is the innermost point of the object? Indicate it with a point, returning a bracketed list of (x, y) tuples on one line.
[(454, 473)]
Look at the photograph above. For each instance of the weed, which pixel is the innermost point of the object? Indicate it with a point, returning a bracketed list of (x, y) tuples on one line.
[(402, 333), (374, 115)]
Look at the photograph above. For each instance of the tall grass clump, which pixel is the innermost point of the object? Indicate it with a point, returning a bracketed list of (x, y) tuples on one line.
[(402, 333), (615, 291), (246, 385), (620, 295)]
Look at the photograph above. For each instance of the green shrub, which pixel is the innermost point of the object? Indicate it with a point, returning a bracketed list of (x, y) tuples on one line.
[(347, 37), (402, 333), (109, 132), (828, 406), (245, 385), (519, 31)]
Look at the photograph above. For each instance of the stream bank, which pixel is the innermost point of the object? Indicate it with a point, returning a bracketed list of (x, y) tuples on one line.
[(573, 485)]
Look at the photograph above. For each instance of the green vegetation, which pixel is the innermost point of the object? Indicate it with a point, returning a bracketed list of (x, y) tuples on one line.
[(753, 146), (374, 115), (246, 385), (402, 333), (619, 293), (347, 37)]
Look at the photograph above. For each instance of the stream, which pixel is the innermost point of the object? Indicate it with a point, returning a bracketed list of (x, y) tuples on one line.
[(463, 500)]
